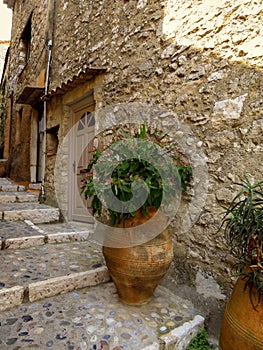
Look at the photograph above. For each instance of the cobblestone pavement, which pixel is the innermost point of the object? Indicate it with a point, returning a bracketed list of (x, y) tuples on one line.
[(24, 266), (17, 229), (11, 229), (92, 319), (39, 260)]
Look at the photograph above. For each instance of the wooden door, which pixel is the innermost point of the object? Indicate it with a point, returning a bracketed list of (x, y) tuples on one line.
[(82, 137)]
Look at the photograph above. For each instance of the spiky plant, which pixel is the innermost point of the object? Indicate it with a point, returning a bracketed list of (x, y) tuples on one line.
[(243, 228)]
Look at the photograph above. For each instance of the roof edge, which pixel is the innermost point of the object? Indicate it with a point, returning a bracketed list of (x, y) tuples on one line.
[(10, 3), (77, 79)]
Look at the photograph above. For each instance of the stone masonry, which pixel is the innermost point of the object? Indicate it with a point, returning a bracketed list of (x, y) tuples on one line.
[(200, 63), (4, 44)]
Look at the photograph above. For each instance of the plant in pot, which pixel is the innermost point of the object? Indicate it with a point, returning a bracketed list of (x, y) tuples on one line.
[(136, 176), (243, 227)]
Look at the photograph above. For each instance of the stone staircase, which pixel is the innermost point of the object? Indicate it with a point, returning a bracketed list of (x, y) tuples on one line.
[(16, 204), (55, 291)]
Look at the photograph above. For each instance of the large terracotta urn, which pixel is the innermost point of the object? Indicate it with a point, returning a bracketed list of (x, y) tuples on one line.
[(242, 324), (137, 270)]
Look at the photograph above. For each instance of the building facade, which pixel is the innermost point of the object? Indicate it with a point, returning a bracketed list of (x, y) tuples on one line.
[(4, 47), (4, 44), (200, 64)]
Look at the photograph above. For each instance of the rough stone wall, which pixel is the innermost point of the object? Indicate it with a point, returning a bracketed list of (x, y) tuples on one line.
[(158, 53), (231, 29), (204, 64), (3, 48), (24, 73), (201, 62)]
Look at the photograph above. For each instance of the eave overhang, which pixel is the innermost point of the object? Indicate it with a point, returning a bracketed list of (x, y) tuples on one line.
[(31, 95), (10, 3), (80, 78)]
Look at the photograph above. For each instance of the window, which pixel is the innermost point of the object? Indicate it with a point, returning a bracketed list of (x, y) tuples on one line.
[(52, 140), (87, 120), (25, 41)]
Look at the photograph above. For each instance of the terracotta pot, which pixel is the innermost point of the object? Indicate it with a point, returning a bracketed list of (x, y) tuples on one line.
[(137, 270), (242, 325)]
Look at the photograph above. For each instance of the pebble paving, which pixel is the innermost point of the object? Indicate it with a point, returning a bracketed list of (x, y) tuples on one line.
[(92, 319), (11, 229), (87, 319), (18, 229), (24, 266)]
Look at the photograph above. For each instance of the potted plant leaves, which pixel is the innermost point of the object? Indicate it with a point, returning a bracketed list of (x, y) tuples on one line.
[(137, 175), (243, 228)]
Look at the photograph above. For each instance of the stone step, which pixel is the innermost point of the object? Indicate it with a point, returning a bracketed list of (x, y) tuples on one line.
[(35, 212), (7, 185), (94, 318), (25, 234), (34, 186), (17, 197), (47, 270), (11, 187)]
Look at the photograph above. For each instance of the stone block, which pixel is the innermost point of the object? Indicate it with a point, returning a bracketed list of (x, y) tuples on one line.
[(27, 198), (19, 197), (179, 338), (37, 216), (64, 237), (64, 284), (35, 186), (9, 188), (10, 297), (7, 198), (24, 242)]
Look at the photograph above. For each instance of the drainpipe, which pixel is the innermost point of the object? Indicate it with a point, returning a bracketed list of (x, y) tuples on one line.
[(45, 120)]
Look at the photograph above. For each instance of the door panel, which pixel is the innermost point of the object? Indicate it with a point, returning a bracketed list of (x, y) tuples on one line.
[(81, 142)]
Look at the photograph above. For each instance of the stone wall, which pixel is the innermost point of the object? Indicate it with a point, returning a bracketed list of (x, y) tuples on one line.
[(3, 48), (202, 64), (28, 56), (26, 72), (216, 89)]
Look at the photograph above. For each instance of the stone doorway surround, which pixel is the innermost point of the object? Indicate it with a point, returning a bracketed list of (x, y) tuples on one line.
[(76, 104)]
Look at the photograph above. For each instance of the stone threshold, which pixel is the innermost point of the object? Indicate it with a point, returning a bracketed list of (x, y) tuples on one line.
[(15, 296)]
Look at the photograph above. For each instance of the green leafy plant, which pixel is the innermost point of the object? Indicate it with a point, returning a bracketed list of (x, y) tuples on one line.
[(243, 228), (123, 176), (200, 342)]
